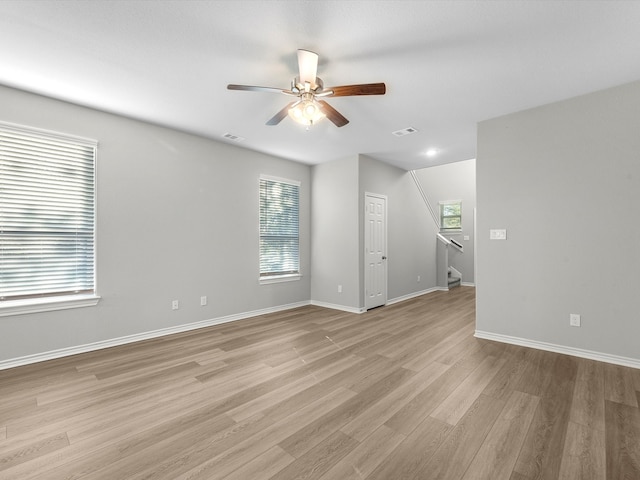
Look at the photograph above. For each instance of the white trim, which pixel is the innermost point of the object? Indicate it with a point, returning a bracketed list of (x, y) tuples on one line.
[(272, 178), (468, 284), (64, 352), (266, 280), (46, 304), (416, 294), (436, 218), (551, 347), (335, 306), (53, 135)]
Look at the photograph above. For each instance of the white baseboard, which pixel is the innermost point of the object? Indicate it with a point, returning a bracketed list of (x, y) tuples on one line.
[(64, 352), (416, 294), (550, 347), (335, 306), (468, 284)]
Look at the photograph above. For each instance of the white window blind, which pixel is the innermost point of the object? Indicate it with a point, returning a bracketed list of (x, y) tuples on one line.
[(279, 227), (47, 214)]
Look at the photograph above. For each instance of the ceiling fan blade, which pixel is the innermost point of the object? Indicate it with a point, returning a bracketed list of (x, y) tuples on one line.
[(278, 117), (254, 88), (308, 67), (361, 89), (332, 114)]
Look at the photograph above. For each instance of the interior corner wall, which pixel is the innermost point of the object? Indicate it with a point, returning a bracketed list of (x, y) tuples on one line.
[(411, 233), (564, 181), (334, 213), (177, 218), (455, 181)]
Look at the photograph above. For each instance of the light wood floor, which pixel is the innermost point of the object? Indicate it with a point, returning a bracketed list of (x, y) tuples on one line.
[(400, 392)]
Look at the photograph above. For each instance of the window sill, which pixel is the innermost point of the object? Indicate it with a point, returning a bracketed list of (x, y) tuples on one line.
[(280, 279), (46, 304)]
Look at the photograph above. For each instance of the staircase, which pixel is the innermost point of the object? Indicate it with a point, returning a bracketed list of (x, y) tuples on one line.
[(452, 281)]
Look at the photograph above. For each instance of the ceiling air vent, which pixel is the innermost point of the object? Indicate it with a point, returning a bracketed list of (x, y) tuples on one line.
[(404, 131), (235, 138)]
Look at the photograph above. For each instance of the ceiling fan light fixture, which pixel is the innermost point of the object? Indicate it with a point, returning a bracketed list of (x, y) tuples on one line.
[(306, 112)]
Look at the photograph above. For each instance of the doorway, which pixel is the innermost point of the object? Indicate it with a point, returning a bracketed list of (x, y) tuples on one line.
[(375, 250)]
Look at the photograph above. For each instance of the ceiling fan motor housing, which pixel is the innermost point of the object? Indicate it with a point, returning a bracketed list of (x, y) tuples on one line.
[(297, 86)]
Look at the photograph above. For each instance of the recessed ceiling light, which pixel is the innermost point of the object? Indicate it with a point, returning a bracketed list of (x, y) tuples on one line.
[(432, 152)]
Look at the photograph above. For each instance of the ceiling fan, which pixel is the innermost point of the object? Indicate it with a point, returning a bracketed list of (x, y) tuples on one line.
[(309, 90)]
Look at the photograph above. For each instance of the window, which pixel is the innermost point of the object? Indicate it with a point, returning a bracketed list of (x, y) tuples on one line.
[(47, 216), (279, 229), (451, 215)]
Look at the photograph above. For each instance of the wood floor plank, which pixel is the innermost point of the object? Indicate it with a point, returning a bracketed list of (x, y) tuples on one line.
[(366, 457), (539, 457), (17, 456), (506, 380), (315, 462), (258, 404), (583, 456), (414, 412), (498, 454), (454, 456), (455, 406), (302, 399), (17, 408), (587, 407), (305, 438), (263, 466), (538, 372), (622, 436), (120, 417), (408, 461), (127, 456), (378, 413), (429, 355), (619, 385), (207, 466), (518, 476)]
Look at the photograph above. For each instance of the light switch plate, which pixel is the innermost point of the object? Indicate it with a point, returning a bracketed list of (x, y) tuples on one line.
[(497, 234)]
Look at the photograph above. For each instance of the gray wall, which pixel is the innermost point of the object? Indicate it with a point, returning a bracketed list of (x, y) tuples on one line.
[(177, 219), (455, 181), (564, 180), (335, 247)]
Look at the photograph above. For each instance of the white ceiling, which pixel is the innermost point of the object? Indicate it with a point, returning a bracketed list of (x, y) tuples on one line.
[(446, 64)]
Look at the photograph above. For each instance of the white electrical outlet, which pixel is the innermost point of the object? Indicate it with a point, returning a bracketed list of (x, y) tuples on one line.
[(418, 278), (203, 300), (175, 305), (574, 319), (339, 288)]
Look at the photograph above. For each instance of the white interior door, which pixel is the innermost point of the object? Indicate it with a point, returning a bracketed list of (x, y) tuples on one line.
[(375, 250)]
